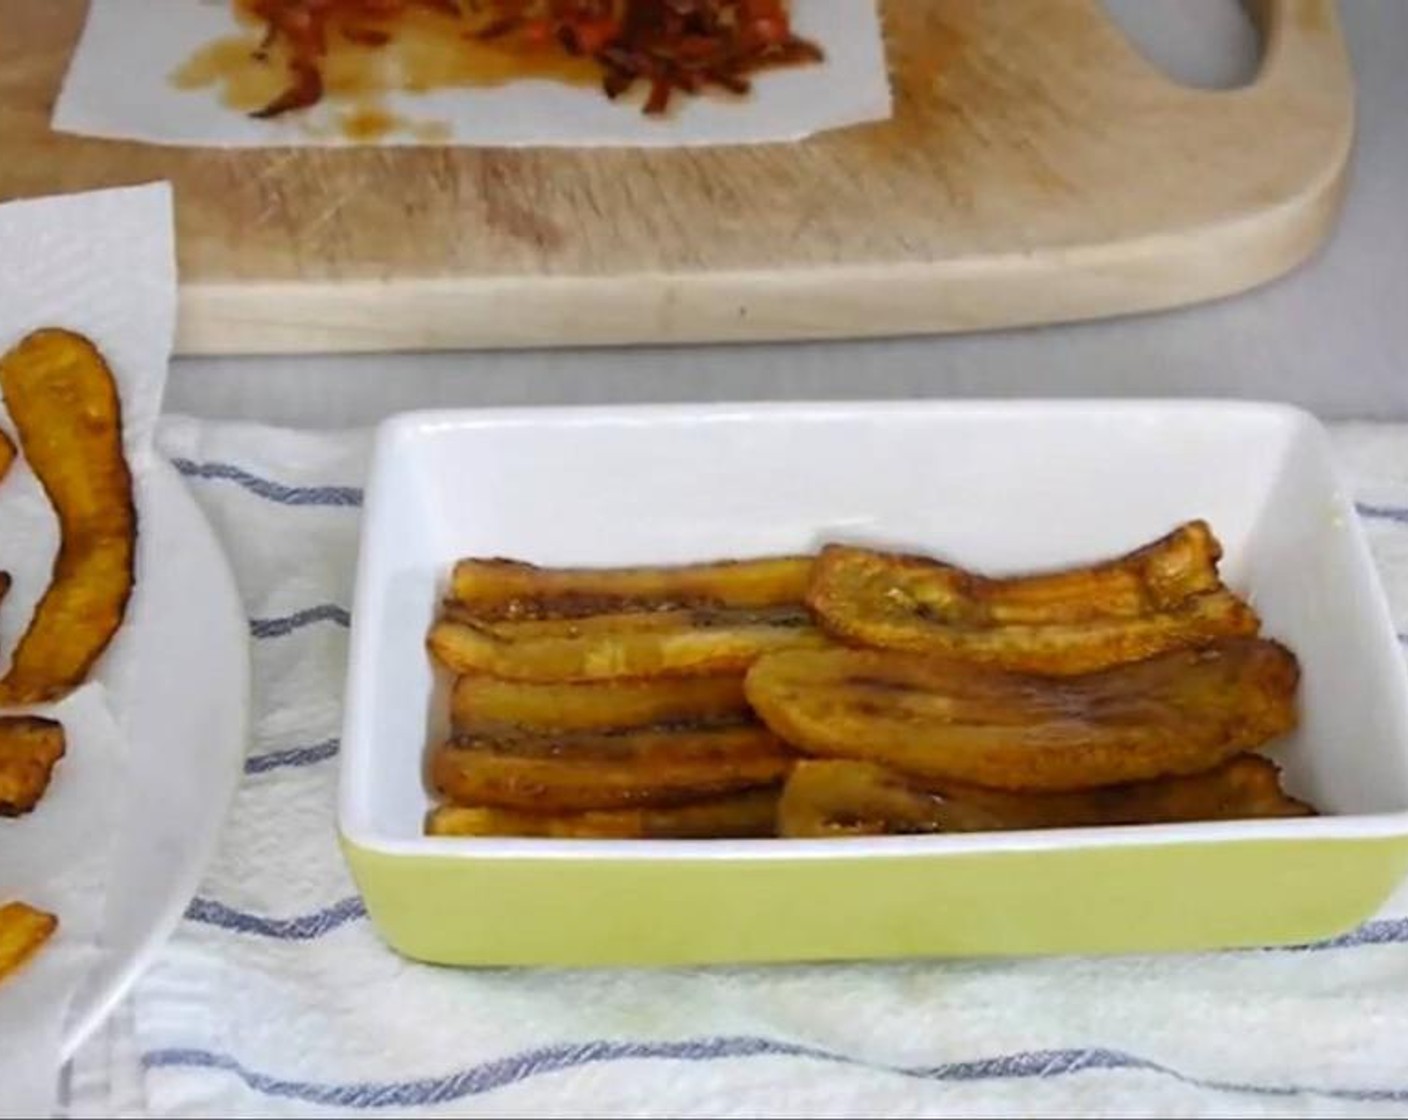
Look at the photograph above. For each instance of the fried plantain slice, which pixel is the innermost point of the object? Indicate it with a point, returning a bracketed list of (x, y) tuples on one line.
[(64, 404), (943, 720), (23, 931), (481, 703), (606, 625), (1157, 576), (842, 797), (837, 797), (7, 460), (509, 589), (752, 813), (576, 773), (1164, 596), (683, 643), (30, 747)]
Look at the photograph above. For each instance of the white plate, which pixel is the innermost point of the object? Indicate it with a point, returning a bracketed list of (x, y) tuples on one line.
[(178, 674)]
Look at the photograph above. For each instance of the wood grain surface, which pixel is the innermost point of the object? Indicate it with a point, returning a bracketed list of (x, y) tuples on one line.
[(1037, 169)]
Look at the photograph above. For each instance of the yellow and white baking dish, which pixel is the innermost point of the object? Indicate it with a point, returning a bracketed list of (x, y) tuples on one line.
[(998, 486)]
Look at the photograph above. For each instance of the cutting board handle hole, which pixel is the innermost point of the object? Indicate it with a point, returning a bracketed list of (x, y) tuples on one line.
[(1207, 44)]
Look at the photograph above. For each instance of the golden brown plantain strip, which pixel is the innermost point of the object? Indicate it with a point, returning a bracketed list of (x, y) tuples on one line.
[(30, 747), (842, 797), (7, 460), (64, 404), (23, 931), (509, 589), (1157, 576), (1162, 597), (847, 798), (1177, 713), (489, 703), (1247, 787), (681, 650), (752, 813), (518, 630), (637, 622), (576, 773)]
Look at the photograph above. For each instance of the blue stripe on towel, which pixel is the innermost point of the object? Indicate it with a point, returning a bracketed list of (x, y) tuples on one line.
[(279, 627), (529, 1064), (1382, 513), (305, 927), (293, 756), (1389, 931), (345, 497)]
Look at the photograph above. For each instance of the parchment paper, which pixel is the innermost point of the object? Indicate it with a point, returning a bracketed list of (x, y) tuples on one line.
[(120, 85)]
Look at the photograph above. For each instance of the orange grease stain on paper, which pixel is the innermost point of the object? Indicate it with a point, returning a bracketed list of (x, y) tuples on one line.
[(425, 50)]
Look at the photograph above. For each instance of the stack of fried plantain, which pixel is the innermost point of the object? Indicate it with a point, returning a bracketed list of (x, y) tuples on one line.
[(1126, 692), (856, 692), (610, 703)]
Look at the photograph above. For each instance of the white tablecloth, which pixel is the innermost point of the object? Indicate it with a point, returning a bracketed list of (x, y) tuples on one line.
[(275, 996)]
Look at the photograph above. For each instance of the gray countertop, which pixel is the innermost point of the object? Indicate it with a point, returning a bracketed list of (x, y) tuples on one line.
[(1330, 337)]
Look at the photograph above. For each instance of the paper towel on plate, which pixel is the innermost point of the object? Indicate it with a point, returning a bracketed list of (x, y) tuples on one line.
[(54, 859), (101, 264), (121, 85)]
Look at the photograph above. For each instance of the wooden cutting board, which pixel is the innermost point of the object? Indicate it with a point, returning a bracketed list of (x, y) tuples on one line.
[(1037, 169)]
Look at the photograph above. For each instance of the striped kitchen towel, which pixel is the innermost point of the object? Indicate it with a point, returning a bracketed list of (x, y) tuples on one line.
[(275, 996)]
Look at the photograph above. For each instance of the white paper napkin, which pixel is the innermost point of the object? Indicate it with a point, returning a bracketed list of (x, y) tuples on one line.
[(54, 859), (101, 264)]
